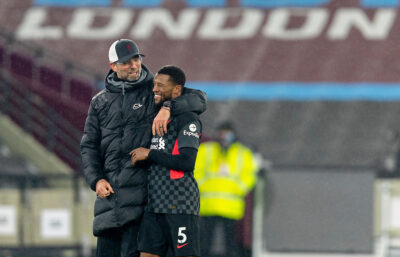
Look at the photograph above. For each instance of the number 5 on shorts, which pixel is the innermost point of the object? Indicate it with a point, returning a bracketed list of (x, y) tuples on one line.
[(181, 234)]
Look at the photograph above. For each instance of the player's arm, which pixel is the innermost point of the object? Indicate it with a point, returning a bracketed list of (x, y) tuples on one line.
[(184, 160)]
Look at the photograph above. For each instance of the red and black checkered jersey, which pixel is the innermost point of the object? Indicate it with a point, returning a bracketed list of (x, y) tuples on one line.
[(171, 191)]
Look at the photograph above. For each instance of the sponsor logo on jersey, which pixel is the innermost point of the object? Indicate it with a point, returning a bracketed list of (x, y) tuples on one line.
[(157, 143), (192, 127), (191, 134), (161, 144)]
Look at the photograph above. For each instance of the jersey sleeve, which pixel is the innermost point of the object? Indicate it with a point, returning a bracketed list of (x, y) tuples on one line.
[(184, 161), (189, 135), (183, 156)]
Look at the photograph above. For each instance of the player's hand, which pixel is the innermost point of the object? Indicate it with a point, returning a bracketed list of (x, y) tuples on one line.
[(139, 154), (160, 122), (103, 188)]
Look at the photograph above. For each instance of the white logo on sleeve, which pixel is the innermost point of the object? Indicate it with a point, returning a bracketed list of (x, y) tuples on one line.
[(192, 132), (192, 127)]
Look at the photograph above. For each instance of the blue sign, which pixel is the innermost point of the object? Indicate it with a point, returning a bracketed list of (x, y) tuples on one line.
[(73, 3), (380, 3), (216, 3), (282, 3), (309, 3), (298, 91), (190, 3), (142, 3)]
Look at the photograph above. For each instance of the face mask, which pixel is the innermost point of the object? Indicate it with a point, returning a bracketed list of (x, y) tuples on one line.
[(228, 139)]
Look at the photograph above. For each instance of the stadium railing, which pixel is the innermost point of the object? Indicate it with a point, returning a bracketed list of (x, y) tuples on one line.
[(34, 115)]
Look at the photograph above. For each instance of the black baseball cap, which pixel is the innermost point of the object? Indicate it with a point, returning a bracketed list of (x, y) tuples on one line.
[(122, 50)]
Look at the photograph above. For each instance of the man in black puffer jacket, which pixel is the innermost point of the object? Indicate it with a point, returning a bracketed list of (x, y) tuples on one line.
[(120, 119)]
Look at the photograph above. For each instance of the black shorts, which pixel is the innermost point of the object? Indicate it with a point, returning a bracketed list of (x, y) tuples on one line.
[(178, 233)]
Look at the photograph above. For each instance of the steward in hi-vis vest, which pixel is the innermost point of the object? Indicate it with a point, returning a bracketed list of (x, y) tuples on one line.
[(225, 171)]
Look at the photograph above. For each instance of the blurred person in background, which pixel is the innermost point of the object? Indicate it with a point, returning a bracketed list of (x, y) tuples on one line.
[(171, 217), (120, 119), (389, 162), (225, 171)]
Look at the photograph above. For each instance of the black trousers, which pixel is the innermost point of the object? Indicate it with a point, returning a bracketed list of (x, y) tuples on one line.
[(119, 242), (208, 237)]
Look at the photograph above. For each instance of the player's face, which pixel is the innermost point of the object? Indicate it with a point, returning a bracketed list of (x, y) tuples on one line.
[(163, 88), (130, 70)]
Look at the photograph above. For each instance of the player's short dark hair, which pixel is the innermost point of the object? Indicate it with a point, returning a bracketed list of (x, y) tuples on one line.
[(176, 74)]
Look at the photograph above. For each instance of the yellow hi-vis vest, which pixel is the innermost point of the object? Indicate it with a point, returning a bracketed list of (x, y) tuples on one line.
[(224, 179)]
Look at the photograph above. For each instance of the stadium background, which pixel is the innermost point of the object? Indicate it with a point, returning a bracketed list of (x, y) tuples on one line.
[(312, 85)]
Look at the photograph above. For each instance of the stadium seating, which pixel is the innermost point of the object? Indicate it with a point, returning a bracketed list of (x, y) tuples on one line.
[(51, 79), (61, 91), (44, 115), (21, 65), (81, 91), (1, 55), (46, 97)]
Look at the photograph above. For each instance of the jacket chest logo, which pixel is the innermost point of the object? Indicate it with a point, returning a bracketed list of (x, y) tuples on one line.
[(136, 106)]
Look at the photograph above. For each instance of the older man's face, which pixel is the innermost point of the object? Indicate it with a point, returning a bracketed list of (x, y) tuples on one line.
[(129, 70)]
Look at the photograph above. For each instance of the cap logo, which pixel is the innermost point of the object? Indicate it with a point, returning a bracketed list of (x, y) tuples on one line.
[(128, 47)]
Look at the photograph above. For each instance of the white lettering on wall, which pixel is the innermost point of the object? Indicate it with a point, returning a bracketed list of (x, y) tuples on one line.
[(81, 25), (32, 26), (277, 24), (151, 19), (182, 25), (346, 19), (215, 19)]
